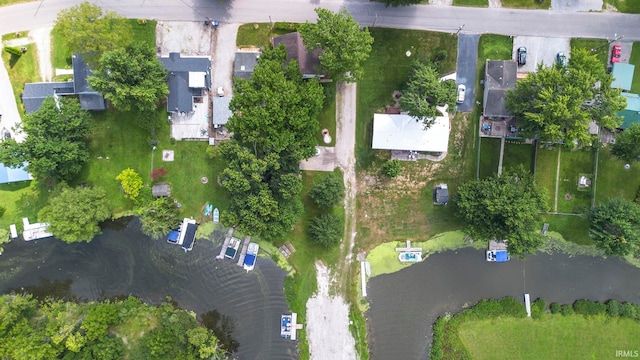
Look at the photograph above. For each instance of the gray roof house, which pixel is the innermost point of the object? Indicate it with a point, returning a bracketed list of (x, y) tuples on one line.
[(188, 77), (35, 93), (221, 112), (307, 61), (244, 63), (500, 76)]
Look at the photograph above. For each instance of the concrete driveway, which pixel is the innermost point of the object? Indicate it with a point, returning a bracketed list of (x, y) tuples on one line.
[(326, 161), (576, 5), (540, 50), (466, 68)]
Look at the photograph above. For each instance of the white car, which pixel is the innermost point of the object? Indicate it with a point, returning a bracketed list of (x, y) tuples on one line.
[(220, 91), (461, 93)]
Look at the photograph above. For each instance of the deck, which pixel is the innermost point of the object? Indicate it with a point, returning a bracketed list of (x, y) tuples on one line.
[(243, 252)]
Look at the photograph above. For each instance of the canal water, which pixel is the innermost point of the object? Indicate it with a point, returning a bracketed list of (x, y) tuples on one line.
[(123, 261), (399, 325)]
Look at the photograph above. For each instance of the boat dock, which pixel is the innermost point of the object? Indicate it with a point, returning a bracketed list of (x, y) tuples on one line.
[(243, 252), (34, 231), (289, 326), (225, 245)]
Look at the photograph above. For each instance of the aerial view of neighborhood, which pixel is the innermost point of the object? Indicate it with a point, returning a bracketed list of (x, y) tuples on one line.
[(319, 179)]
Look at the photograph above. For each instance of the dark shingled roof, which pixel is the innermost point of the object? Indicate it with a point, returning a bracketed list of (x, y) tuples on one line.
[(307, 61), (35, 93), (244, 64), (500, 76), (180, 97)]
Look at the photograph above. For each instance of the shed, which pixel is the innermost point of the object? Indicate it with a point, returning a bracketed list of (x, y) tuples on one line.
[(631, 114), (622, 76), (221, 111), (441, 194), (161, 190)]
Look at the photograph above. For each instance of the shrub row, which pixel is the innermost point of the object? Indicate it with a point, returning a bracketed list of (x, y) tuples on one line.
[(588, 307), (13, 50), (286, 26)]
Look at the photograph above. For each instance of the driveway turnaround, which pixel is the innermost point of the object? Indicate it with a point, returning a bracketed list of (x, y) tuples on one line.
[(540, 50), (466, 68)]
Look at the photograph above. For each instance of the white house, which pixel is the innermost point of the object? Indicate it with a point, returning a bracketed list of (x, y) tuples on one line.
[(404, 132)]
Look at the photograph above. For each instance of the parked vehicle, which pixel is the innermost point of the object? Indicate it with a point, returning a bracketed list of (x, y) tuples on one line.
[(561, 58), (522, 55), (461, 93), (616, 51)]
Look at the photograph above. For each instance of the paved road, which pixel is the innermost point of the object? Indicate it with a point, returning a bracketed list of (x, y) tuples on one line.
[(466, 68), (424, 17)]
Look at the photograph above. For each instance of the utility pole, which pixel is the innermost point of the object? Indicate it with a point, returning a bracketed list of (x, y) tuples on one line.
[(460, 29), (270, 23), (615, 38), (374, 21)]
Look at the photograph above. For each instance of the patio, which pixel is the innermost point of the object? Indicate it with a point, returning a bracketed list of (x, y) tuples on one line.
[(499, 128), (192, 126)]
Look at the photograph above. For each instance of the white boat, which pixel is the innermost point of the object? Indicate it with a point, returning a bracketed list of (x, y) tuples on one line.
[(251, 256), (410, 256), (216, 215), (232, 249)]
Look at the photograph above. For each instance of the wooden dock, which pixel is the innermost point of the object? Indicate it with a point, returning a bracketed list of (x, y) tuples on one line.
[(225, 245), (243, 252)]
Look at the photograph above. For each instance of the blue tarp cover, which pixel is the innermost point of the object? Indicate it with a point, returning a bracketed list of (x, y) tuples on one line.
[(249, 259), (173, 236), (502, 256)]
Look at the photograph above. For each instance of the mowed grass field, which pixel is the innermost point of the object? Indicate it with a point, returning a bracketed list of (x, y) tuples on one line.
[(517, 153), (614, 180), (571, 199), (551, 337), (489, 157)]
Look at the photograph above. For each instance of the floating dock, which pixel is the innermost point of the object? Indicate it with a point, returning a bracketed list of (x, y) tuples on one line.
[(243, 252), (34, 231), (289, 326), (225, 245)]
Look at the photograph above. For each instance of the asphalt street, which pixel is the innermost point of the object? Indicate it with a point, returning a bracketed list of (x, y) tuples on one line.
[(466, 68), (422, 17)]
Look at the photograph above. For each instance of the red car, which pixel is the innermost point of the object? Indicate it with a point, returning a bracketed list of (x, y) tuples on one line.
[(615, 53)]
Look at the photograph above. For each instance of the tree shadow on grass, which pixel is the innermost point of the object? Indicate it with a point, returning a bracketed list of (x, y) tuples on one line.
[(14, 60)]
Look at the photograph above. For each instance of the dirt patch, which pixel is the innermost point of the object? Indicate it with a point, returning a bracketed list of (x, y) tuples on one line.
[(190, 38)]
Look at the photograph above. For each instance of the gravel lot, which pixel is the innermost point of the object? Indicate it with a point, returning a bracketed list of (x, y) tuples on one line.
[(190, 38), (540, 50)]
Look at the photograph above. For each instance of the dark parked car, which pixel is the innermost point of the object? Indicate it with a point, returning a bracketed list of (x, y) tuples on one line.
[(522, 55)]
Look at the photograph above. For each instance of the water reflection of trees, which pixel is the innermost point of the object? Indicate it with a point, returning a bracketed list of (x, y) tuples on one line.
[(222, 326)]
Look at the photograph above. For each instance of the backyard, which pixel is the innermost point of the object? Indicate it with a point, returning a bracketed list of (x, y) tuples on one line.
[(489, 157)]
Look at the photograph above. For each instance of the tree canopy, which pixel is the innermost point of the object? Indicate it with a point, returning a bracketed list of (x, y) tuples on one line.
[(615, 226), (558, 103), (424, 91), (131, 183), (91, 31), (74, 214), (627, 145), (503, 207), (55, 146), (276, 110), (56, 329), (344, 45), (328, 190), (159, 217), (326, 230), (131, 78)]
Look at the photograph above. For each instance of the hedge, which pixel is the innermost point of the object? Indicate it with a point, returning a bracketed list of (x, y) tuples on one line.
[(13, 50), (286, 26)]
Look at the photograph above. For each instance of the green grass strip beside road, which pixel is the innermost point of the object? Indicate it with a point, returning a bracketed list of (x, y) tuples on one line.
[(526, 4), (476, 3)]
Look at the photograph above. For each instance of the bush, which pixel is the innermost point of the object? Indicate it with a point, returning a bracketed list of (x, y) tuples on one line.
[(13, 50), (629, 310), (327, 191), (2, 210), (142, 21), (438, 339), (440, 56), (537, 308), (613, 308), (326, 230), (588, 307), (566, 310), (391, 168), (554, 308), (507, 306), (286, 26), (158, 174)]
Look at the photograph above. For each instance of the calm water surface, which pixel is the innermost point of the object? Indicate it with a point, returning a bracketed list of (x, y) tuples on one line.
[(124, 261), (405, 304)]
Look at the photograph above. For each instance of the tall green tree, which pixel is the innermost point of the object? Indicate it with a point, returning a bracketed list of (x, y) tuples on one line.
[(627, 145), (558, 103), (328, 190), (55, 146), (131, 78), (344, 45), (276, 110), (75, 214), (91, 31), (264, 198), (503, 207), (326, 230), (425, 91), (615, 226), (159, 217)]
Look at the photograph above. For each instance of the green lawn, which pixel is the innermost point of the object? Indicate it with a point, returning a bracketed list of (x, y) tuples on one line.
[(625, 6), (596, 46), (635, 60), (572, 228), (517, 153), (11, 2), (327, 117), (551, 337), (116, 136), (573, 163), (489, 157), (478, 3), (387, 69), (22, 70), (546, 169), (526, 4), (614, 180), (21, 200), (494, 47), (257, 35)]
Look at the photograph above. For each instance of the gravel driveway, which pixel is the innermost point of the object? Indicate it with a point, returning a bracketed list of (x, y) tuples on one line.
[(540, 50)]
